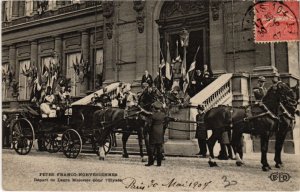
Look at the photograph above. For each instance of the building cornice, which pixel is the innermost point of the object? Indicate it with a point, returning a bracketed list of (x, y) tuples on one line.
[(51, 19)]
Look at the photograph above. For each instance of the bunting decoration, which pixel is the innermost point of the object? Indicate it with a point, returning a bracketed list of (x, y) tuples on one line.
[(30, 71), (81, 68)]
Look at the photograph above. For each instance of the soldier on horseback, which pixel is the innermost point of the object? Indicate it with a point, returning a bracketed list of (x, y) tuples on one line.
[(260, 91)]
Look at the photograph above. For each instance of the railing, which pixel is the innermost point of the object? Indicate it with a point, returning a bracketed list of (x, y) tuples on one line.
[(216, 93), (112, 91)]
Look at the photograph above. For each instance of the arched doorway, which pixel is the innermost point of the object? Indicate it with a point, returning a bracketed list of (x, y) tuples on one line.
[(192, 16)]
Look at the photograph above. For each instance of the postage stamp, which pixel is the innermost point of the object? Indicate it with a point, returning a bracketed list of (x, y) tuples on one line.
[(276, 21)]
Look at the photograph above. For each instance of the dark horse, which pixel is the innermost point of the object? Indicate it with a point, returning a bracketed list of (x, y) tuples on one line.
[(109, 120), (287, 112), (261, 120)]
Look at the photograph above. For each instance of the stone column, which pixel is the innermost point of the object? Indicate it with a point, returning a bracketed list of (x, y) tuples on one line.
[(58, 50), (12, 60), (85, 45), (15, 9), (34, 55)]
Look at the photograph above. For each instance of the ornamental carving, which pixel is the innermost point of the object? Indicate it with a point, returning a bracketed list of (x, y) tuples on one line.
[(108, 11), (215, 7), (108, 8), (180, 8), (109, 29), (138, 6)]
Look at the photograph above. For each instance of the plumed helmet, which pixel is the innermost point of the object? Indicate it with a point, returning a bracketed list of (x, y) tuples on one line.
[(261, 79)]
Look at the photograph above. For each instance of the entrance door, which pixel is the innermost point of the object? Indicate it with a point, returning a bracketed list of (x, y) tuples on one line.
[(197, 38), (192, 16)]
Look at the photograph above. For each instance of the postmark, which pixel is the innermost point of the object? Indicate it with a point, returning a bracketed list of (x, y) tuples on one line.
[(276, 21)]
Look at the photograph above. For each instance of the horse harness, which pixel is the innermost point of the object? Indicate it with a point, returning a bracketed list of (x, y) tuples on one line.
[(248, 119)]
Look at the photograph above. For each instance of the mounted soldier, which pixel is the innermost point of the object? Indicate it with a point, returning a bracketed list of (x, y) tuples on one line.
[(260, 91)]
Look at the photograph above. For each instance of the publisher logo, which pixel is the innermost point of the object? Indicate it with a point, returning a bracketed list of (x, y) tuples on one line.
[(280, 176)]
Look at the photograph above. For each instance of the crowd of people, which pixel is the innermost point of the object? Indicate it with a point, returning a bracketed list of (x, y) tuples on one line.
[(52, 102)]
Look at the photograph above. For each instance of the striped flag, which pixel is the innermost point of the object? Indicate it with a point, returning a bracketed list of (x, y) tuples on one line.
[(189, 74)]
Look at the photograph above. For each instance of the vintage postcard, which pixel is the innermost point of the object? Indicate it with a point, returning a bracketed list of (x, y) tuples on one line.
[(150, 95)]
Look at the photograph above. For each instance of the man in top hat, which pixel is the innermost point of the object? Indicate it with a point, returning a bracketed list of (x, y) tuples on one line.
[(201, 132), (260, 91), (147, 97), (105, 98)]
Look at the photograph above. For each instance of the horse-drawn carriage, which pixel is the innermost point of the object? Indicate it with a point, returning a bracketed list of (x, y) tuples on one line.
[(67, 132)]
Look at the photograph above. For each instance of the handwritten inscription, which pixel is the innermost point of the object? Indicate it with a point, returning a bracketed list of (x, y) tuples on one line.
[(276, 21), (134, 184)]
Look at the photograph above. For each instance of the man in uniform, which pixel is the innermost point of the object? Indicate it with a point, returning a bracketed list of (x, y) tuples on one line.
[(260, 91), (156, 133), (201, 132)]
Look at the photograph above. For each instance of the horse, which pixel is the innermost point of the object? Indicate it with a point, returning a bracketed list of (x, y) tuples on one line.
[(287, 112), (109, 120), (260, 120)]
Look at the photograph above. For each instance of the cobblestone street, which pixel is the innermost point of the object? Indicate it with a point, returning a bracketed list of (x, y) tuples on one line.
[(41, 170)]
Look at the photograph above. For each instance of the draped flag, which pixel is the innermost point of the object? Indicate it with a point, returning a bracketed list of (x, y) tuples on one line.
[(188, 76), (161, 67), (168, 64)]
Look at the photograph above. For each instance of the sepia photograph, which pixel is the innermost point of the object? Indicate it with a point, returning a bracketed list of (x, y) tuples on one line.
[(150, 95)]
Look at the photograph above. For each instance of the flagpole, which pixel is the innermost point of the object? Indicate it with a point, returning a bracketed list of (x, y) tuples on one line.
[(160, 72)]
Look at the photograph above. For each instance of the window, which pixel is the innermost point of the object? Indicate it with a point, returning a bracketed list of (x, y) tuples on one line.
[(4, 80), (7, 10), (73, 59), (24, 89), (99, 61)]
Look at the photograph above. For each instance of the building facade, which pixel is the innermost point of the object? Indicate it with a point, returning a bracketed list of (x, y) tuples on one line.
[(119, 40)]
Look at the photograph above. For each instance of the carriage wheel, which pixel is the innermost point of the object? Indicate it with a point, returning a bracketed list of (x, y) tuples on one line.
[(52, 143), (71, 143), (108, 143), (22, 136), (106, 147)]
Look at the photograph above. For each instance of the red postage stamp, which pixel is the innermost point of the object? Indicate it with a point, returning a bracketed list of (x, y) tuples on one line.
[(276, 21)]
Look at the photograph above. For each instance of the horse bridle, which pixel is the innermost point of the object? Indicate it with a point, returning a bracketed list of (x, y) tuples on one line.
[(286, 112)]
